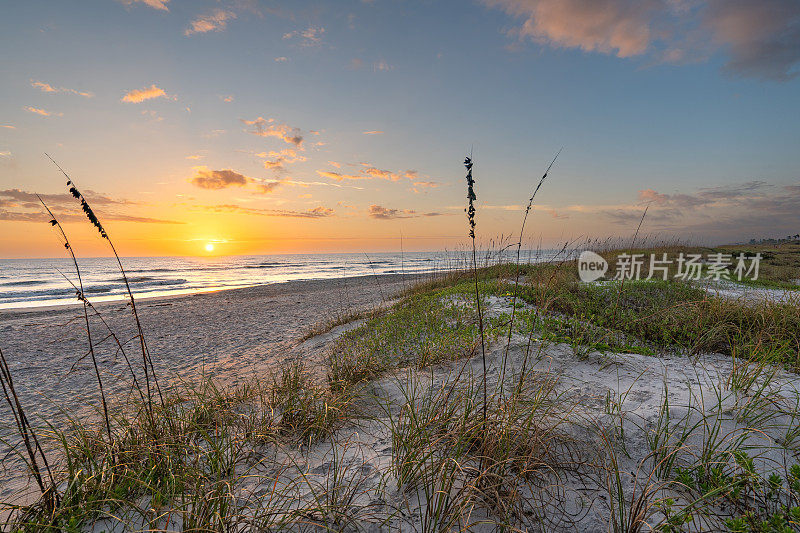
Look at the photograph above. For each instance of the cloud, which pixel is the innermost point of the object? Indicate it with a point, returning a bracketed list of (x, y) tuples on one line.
[(281, 59), (317, 212), (268, 128), (381, 66), (761, 38), (47, 88), (419, 186), (228, 98), (218, 179), (311, 36), (373, 132), (215, 180), (8, 126), (140, 95), (42, 112), (753, 209), (370, 172), (384, 213), (24, 206), (17, 216), (195, 156), (29, 200), (340, 177), (215, 20), (5, 154), (277, 160), (155, 4), (649, 196)]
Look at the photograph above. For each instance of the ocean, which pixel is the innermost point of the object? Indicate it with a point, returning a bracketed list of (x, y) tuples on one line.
[(44, 282)]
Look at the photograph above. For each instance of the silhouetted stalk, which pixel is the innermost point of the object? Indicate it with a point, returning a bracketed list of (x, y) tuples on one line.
[(516, 277), (54, 222), (146, 360), (120, 347), (26, 432), (471, 217)]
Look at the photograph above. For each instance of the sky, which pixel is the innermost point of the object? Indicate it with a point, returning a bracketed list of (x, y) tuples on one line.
[(197, 127)]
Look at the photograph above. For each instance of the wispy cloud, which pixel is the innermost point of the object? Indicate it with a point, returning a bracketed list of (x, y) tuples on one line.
[(140, 95), (760, 37), (419, 186), (371, 172), (215, 20), (8, 126), (42, 112), (281, 59), (722, 212), (47, 88), (311, 36), (155, 4), (373, 132), (385, 213), (381, 66), (278, 160), (317, 212), (24, 206), (269, 128)]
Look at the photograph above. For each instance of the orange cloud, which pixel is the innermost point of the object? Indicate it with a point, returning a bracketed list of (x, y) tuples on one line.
[(216, 20), (370, 172), (8, 126), (374, 132), (42, 112), (206, 178), (340, 177), (47, 88), (140, 95), (317, 212), (155, 4), (218, 179), (279, 159)]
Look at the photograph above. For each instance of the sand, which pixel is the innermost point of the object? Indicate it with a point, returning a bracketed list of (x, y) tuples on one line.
[(232, 334), (228, 335)]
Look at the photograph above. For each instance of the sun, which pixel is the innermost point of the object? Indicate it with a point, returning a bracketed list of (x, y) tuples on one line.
[(209, 247)]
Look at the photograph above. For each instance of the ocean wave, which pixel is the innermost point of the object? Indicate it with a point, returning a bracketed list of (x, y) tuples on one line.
[(22, 283)]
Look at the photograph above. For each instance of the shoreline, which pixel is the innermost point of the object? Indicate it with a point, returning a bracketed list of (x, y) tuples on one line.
[(72, 305)]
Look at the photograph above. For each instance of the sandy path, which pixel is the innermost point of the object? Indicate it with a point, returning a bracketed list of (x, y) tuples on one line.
[(228, 334)]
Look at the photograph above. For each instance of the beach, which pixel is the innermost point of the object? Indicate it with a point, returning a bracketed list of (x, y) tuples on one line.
[(356, 402), (229, 335)]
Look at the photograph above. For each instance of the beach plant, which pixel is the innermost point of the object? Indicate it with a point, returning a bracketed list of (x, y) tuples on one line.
[(517, 263), (147, 363), (34, 458), (471, 219), (80, 295)]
